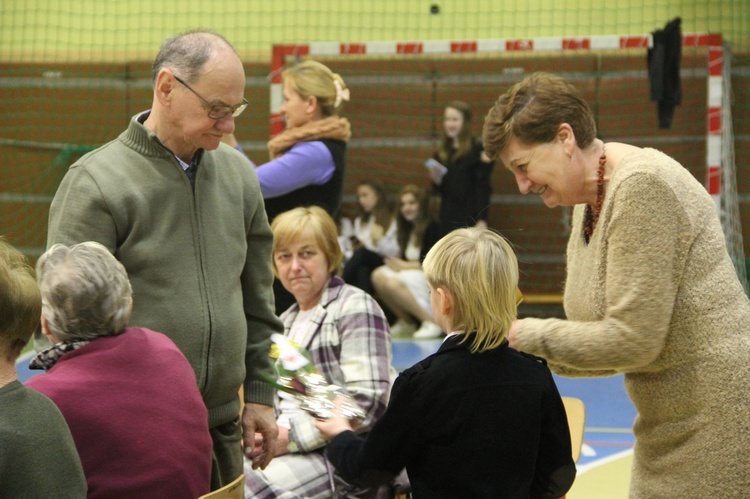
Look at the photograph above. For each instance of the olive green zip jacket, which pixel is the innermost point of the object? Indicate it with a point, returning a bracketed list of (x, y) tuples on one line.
[(198, 258)]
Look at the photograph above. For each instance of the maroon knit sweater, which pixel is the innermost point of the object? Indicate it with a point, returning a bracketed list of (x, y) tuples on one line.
[(137, 418)]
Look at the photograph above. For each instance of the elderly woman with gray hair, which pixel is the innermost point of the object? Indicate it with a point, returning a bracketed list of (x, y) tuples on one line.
[(128, 394)]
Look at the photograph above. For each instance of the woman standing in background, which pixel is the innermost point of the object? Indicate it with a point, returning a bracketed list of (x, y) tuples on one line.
[(308, 159), (460, 172)]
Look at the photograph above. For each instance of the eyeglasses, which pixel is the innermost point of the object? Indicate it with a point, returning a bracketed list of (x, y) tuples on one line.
[(218, 112)]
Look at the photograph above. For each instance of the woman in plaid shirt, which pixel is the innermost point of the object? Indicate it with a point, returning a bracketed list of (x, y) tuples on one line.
[(347, 335)]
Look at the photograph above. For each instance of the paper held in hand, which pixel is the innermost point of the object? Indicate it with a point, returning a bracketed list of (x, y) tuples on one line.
[(297, 375), (433, 164)]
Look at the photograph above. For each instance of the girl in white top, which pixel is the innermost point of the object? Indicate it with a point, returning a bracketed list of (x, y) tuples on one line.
[(375, 226), (373, 235), (400, 283)]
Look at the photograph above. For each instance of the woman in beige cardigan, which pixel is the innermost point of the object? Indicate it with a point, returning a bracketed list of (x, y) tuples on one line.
[(650, 290)]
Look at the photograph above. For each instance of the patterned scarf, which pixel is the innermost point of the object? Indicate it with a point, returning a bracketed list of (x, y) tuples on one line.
[(333, 127), (47, 358)]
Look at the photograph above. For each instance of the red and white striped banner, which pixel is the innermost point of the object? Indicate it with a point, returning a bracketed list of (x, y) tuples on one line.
[(712, 41)]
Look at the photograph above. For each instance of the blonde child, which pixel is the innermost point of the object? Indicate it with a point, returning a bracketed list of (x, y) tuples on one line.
[(477, 418)]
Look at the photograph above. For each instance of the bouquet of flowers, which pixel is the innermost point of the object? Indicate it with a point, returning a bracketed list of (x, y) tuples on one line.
[(296, 374)]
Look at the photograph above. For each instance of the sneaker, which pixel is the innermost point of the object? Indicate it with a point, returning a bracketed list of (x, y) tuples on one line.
[(401, 328), (428, 330)]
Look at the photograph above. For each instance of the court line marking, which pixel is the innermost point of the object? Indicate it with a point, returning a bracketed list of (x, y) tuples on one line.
[(597, 429), (580, 470)]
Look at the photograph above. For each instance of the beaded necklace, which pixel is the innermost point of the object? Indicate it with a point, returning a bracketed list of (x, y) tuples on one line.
[(592, 214)]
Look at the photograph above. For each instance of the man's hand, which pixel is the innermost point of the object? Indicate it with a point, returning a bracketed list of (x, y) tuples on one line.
[(259, 418)]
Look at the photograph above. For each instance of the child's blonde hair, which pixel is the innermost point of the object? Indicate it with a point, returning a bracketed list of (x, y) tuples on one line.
[(479, 269)]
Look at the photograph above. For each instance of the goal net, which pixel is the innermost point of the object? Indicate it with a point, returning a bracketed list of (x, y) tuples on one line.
[(399, 90)]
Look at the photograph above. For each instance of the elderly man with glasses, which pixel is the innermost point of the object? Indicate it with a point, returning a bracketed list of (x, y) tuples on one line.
[(184, 214)]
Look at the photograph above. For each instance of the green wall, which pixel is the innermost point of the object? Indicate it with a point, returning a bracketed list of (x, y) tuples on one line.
[(115, 30)]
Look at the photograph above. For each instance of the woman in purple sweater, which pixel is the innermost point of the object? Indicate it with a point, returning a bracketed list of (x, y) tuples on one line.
[(128, 394), (308, 158)]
